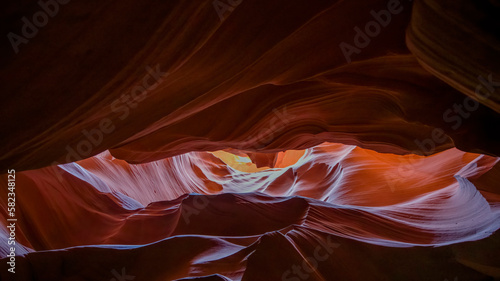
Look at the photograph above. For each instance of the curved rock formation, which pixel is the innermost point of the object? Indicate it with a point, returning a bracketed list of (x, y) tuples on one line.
[(166, 86), (342, 191), (473, 67), (250, 140)]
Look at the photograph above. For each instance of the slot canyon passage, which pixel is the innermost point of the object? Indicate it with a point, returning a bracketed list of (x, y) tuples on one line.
[(250, 140)]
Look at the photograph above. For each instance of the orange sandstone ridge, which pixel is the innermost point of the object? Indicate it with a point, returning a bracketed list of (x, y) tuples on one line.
[(247, 140)]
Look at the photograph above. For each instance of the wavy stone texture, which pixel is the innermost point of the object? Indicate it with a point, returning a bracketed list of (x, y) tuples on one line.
[(171, 141), (287, 62), (472, 68), (357, 196)]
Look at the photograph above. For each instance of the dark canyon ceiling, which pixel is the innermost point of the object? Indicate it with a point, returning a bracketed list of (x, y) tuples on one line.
[(250, 140)]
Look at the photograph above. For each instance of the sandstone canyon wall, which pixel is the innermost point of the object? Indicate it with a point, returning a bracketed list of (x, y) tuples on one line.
[(250, 140)]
